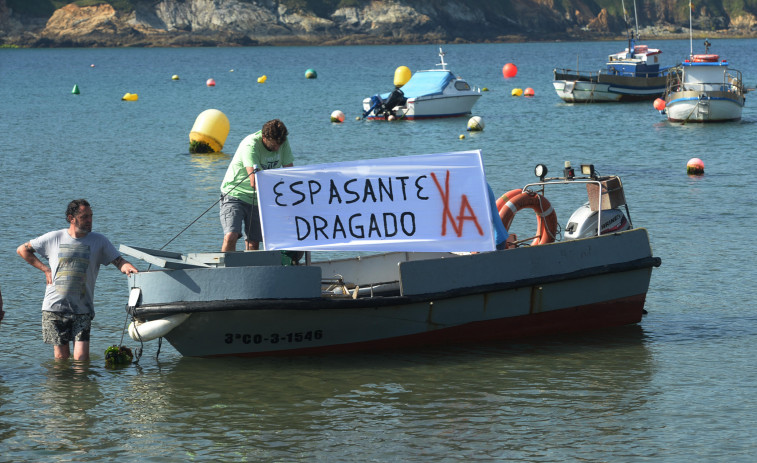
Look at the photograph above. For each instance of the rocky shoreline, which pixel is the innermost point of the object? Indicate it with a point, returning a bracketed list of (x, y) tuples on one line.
[(171, 23)]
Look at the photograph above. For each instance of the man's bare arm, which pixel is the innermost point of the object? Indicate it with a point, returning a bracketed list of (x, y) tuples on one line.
[(27, 252)]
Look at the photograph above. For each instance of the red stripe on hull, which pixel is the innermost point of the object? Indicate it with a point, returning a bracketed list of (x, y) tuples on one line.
[(596, 316)]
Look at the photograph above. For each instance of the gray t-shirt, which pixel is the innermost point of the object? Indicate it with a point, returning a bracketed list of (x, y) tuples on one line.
[(75, 264)]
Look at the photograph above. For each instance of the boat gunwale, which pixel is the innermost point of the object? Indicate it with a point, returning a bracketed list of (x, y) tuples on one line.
[(163, 309)]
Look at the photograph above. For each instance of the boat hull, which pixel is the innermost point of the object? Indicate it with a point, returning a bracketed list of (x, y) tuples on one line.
[(713, 106), (561, 287), (431, 107), (606, 88)]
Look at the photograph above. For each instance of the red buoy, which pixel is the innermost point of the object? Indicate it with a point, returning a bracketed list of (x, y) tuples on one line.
[(509, 70), (659, 104)]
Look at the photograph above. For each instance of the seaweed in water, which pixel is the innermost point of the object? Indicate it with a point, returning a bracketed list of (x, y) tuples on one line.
[(116, 356)]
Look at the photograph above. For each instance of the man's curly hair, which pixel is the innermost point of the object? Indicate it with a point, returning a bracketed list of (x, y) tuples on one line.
[(275, 130), (73, 207)]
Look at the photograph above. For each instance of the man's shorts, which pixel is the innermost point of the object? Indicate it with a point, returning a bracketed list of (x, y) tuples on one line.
[(59, 329), (237, 214)]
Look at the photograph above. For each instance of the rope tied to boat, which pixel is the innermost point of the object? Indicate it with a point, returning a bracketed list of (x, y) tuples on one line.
[(254, 171)]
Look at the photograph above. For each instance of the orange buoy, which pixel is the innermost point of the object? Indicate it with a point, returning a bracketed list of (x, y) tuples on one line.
[(546, 217), (210, 83), (528, 92), (509, 70), (695, 166), (659, 104)]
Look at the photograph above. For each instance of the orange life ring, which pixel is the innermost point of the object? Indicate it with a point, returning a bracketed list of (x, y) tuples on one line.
[(705, 58), (507, 197), (546, 217)]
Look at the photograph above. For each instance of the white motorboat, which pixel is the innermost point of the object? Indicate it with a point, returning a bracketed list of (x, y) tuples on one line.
[(704, 88), (262, 303), (433, 93)]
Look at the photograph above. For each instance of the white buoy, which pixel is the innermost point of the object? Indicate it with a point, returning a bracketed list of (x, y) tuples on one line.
[(337, 116), (475, 124)]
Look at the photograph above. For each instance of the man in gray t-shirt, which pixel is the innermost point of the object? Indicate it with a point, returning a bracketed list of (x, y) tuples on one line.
[(75, 255)]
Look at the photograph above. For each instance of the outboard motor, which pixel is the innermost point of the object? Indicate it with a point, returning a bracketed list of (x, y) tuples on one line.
[(583, 223)]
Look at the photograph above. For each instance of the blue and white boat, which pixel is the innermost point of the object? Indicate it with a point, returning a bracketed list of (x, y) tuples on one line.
[(704, 88), (633, 74), (432, 93)]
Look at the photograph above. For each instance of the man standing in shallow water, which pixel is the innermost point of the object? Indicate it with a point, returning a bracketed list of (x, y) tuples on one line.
[(75, 255)]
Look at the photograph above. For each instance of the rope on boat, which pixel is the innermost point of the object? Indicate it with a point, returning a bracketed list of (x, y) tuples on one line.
[(208, 209)]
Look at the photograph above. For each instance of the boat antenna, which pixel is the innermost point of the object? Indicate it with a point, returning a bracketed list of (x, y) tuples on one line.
[(629, 31), (691, 38), (441, 55), (636, 20)]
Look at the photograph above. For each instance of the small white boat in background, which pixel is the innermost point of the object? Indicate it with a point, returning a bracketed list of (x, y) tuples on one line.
[(704, 89), (433, 93)]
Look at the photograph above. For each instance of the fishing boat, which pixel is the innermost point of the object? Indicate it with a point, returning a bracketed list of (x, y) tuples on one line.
[(593, 275), (433, 93), (633, 74), (703, 88)]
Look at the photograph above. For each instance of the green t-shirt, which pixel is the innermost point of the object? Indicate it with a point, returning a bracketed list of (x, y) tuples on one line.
[(251, 152)]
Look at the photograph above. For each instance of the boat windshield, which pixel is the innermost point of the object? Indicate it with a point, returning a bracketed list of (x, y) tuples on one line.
[(427, 83)]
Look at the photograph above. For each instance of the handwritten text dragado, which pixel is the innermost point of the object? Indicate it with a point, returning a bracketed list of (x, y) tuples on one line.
[(369, 222)]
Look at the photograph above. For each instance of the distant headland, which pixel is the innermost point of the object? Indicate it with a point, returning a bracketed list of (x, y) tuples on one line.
[(180, 23)]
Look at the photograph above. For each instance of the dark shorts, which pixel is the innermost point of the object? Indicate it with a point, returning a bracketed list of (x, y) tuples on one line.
[(236, 214), (59, 329)]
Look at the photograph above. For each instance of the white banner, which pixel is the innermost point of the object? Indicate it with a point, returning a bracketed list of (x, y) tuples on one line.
[(434, 202)]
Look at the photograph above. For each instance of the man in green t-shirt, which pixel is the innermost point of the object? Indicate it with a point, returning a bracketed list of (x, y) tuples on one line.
[(265, 149)]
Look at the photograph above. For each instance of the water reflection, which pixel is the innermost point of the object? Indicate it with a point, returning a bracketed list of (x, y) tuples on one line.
[(493, 396), (210, 162)]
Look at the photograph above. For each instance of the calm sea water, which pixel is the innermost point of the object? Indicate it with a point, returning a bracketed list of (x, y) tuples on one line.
[(679, 386)]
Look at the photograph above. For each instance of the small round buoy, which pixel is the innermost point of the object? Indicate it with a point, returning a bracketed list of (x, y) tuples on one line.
[(75, 90), (357, 118), (695, 166), (401, 75), (130, 97), (311, 74), (391, 117), (92, 65), (509, 70), (462, 136), (517, 92), (231, 70), (659, 104), (485, 89), (337, 116), (262, 79), (174, 77), (475, 124), (528, 92), (210, 83)]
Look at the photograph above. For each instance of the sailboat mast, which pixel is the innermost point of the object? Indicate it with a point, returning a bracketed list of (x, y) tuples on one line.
[(636, 20)]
